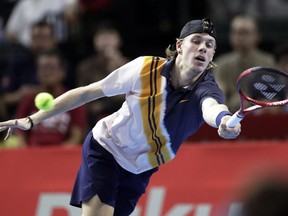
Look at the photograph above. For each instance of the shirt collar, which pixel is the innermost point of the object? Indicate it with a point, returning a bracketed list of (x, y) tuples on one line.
[(166, 72), (167, 68)]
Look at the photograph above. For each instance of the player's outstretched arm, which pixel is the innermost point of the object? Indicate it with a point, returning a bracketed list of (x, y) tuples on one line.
[(216, 115), (23, 123), (65, 102), (70, 100)]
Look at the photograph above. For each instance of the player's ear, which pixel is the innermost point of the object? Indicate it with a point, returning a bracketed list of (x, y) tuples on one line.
[(212, 56), (179, 46)]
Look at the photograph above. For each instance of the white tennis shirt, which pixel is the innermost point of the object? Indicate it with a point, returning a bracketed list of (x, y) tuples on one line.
[(146, 131)]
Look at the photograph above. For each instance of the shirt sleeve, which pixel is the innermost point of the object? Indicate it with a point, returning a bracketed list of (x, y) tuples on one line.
[(209, 88), (121, 80)]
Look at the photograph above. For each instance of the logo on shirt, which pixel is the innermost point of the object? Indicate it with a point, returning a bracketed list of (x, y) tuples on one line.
[(183, 101)]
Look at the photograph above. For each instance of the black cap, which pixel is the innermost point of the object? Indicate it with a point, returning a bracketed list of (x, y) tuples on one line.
[(198, 26)]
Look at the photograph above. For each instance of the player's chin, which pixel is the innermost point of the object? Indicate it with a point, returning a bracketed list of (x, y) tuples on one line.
[(199, 67)]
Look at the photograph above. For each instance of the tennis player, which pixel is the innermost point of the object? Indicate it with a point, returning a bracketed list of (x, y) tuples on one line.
[(167, 100)]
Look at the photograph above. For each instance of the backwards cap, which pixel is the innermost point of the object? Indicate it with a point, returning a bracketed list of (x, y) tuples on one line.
[(198, 26)]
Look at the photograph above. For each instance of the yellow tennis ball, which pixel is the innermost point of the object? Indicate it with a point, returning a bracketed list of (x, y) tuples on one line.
[(44, 101)]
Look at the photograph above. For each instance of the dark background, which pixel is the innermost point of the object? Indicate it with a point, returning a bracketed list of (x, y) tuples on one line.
[(148, 27)]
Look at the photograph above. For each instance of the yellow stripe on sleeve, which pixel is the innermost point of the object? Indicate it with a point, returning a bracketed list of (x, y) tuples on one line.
[(152, 108)]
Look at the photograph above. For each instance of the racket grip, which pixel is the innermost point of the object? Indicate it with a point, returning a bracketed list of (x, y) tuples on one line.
[(234, 120)]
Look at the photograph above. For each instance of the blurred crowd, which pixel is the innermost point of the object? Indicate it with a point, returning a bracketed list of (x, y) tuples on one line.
[(56, 45)]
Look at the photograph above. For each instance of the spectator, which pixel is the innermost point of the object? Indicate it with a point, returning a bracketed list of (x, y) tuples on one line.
[(266, 9), (108, 56), (91, 11), (281, 57), (20, 76), (63, 129), (81, 17), (244, 39), (223, 10), (28, 12), (267, 197)]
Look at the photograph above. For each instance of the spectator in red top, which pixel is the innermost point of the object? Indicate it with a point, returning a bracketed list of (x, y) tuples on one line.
[(63, 129), (20, 77)]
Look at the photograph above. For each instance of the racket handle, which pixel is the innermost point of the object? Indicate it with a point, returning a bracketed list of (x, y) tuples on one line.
[(234, 120)]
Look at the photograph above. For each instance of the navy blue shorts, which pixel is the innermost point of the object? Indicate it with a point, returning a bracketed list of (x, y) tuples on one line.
[(101, 175)]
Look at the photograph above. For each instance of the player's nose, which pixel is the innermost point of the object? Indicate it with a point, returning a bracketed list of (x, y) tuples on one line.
[(202, 48)]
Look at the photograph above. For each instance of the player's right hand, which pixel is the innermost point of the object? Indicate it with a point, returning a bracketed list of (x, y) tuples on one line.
[(23, 124), (227, 132)]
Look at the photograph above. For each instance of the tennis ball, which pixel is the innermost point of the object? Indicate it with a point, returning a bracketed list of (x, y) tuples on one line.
[(44, 101)]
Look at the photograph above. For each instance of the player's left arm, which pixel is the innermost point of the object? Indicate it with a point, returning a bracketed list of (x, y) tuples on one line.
[(115, 83), (65, 102), (216, 115)]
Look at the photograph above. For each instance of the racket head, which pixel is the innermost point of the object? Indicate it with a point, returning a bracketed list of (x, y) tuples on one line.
[(263, 87)]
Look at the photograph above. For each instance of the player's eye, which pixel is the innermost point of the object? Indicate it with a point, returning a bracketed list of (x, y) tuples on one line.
[(209, 45), (196, 41)]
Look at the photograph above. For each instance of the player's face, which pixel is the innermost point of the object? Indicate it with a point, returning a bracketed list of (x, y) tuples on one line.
[(197, 50)]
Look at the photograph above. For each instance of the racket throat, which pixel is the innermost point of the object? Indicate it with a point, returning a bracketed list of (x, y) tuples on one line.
[(240, 115)]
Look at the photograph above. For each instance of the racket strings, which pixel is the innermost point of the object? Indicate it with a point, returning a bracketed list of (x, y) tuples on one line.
[(264, 86)]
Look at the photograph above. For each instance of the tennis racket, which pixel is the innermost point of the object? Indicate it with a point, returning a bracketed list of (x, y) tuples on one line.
[(259, 87)]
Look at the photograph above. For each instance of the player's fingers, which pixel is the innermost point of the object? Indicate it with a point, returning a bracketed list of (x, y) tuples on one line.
[(6, 124), (229, 133), (2, 128), (9, 123), (15, 123), (9, 132), (223, 126)]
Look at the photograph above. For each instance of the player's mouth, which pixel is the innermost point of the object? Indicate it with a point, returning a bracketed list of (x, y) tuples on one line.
[(200, 58)]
